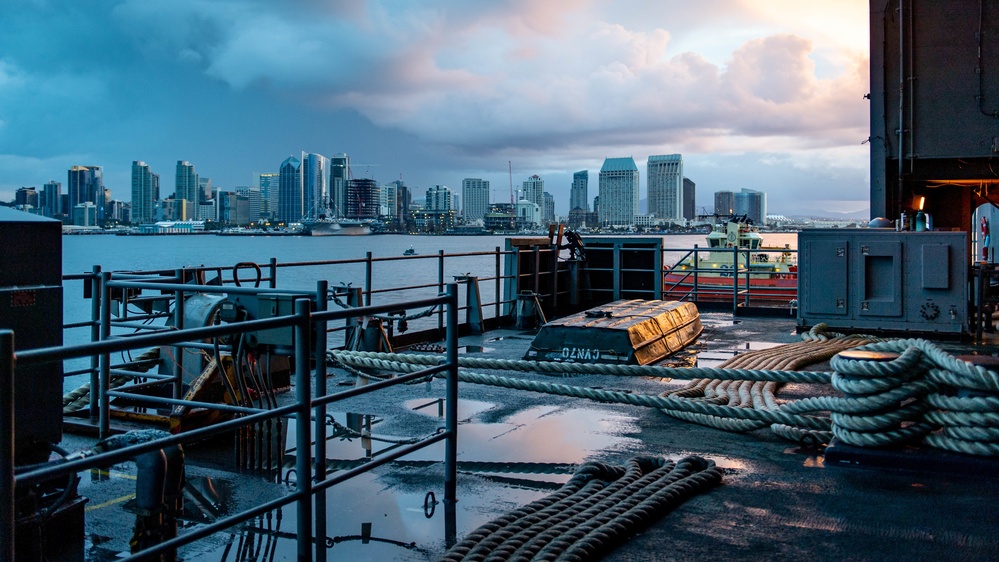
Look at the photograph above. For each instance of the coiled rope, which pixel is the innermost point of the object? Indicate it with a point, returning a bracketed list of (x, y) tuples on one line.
[(597, 509)]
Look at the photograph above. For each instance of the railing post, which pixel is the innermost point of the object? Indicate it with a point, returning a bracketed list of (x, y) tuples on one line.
[(104, 377), (179, 350), (440, 289), (451, 393), (319, 430), (95, 335), (498, 296), (303, 398), (7, 510), (272, 267), (367, 279), (735, 280)]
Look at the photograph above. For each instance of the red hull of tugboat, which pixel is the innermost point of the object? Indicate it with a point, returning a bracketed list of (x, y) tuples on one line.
[(713, 288)]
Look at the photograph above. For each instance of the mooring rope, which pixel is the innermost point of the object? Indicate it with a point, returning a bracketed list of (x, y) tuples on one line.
[(924, 395), (79, 398), (596, 510)]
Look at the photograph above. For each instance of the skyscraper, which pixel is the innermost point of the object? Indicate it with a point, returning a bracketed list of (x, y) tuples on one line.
[(665, 180), (363, 196), (86, 184), (534, 191), (143, 193), (548, 211), (475, 197), (724, 203), (753, 204), (252, 195), (314, 181), (339, 174), (290, 191), (618, 187), (51, 200), (689, 199), (268, 184), (186, 184), (578, 197)]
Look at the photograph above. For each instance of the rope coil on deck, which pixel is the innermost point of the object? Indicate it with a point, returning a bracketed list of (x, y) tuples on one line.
[(597, 509)]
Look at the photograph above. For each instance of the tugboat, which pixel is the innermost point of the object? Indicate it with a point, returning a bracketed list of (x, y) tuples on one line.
[(409, 252), (772, 271)]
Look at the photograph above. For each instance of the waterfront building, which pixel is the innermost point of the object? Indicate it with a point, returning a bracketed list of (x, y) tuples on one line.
[(618, 187), (252, 195), (290, 208), (145, 184), (665, 186), (578, 197), (528, 214), (689, 200), (51, 199), (186, 183), (339, 175), (432, 221), (206, 210), (548, 211), (268, 184), (753, 204), (315, 170), (85, 214), (173, 227), (475, 198), (86, 184), (362, 199), (724, 203)]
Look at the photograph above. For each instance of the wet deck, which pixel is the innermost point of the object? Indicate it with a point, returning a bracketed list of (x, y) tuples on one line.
[(775, 502)]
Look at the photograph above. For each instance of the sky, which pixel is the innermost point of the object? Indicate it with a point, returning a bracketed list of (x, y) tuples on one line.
[(758, 94)]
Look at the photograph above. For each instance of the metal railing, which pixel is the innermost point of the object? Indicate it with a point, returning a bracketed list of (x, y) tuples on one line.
[(308, 410), (735, 285)]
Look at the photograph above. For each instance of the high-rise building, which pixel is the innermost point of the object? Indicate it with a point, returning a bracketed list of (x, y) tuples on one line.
[(26, 197), (618, 187), (689, 199), (363, 196), (252, 195), (268, 184), (204, 189), (578, 197), (548, 212), (314, 181), (665, 181), (475, 197), (439, 199), (534, 191), (724, 203), (290, 208), (51, 200), (143, 193), (86, 184), (339, 174), (753, 204), (186, 183)]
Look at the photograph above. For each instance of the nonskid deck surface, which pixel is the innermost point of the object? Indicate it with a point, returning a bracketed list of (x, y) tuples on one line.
[(776, 501)]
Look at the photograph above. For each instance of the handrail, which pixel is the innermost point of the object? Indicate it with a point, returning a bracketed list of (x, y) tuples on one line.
[(311, 480)]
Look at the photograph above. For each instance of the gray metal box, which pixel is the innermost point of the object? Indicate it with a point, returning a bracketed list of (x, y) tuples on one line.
[(873, 279)]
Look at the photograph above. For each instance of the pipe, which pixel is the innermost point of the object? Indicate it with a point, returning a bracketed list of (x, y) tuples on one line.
[(981, 69), (901, 97), (7, 510)]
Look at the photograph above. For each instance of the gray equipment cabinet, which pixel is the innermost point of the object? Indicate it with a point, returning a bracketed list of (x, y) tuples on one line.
[(883, 280)]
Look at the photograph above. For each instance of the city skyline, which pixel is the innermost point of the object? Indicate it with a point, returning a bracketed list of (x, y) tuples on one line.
[(767, 97)]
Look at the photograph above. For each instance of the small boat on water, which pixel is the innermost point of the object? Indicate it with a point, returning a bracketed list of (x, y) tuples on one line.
[(409, 252), (772, 271)]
